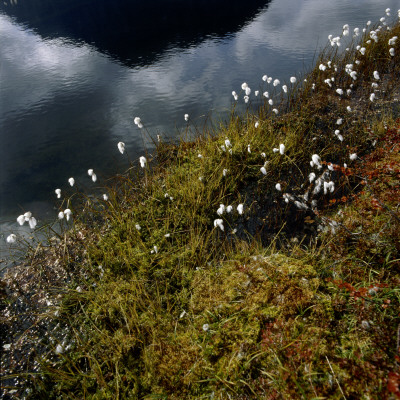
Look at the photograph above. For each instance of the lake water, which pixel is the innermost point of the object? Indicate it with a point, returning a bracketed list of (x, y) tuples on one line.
[(75, 73)]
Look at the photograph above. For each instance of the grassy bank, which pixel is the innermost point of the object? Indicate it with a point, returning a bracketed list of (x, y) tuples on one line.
[(257, 261)]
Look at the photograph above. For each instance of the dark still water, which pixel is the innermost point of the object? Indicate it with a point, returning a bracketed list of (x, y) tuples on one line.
[(75, 73)]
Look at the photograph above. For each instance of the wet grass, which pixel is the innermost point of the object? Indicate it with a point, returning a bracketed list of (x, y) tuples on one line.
[(145, 296)]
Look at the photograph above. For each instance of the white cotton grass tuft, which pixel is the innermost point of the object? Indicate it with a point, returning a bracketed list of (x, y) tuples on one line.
[(278, 187), (275, 111), (282, 148), (284, 88), (121, 147), (67, 213), (90, 172), (138, 122), (142, 161), (32, 222), (335, 41), (316, 161), (248, 148), (186, 116), (235, 95), (263, 170), (391, 51), (240, 209), (27, 217), (338, 135), (59, 349), (372, 97), (276, 82), (293, 79), (58, 193), (11, 238), (339, 91), (105, 197), (348, 108), (219, 223), (300, 205), (270, 102), (244, 86), (339, 121), (353, 156), (376, 75), (94, 177), (287, 197), (71, 181), (221, 209), (329, 186), (256, 125), (318, 185)]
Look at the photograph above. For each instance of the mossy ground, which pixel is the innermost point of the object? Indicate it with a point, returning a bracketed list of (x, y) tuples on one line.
[(293, 300)]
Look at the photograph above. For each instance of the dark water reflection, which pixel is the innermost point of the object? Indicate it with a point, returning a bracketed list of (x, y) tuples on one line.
[(74, 74), (135, 32)]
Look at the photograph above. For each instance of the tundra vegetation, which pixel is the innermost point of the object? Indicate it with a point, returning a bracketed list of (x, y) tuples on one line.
[(258, 260)]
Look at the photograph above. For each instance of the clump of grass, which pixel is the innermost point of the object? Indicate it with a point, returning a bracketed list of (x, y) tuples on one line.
[(292, 294)]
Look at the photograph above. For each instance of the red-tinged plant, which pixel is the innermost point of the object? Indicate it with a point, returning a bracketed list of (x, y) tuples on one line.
[(393, 384)]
